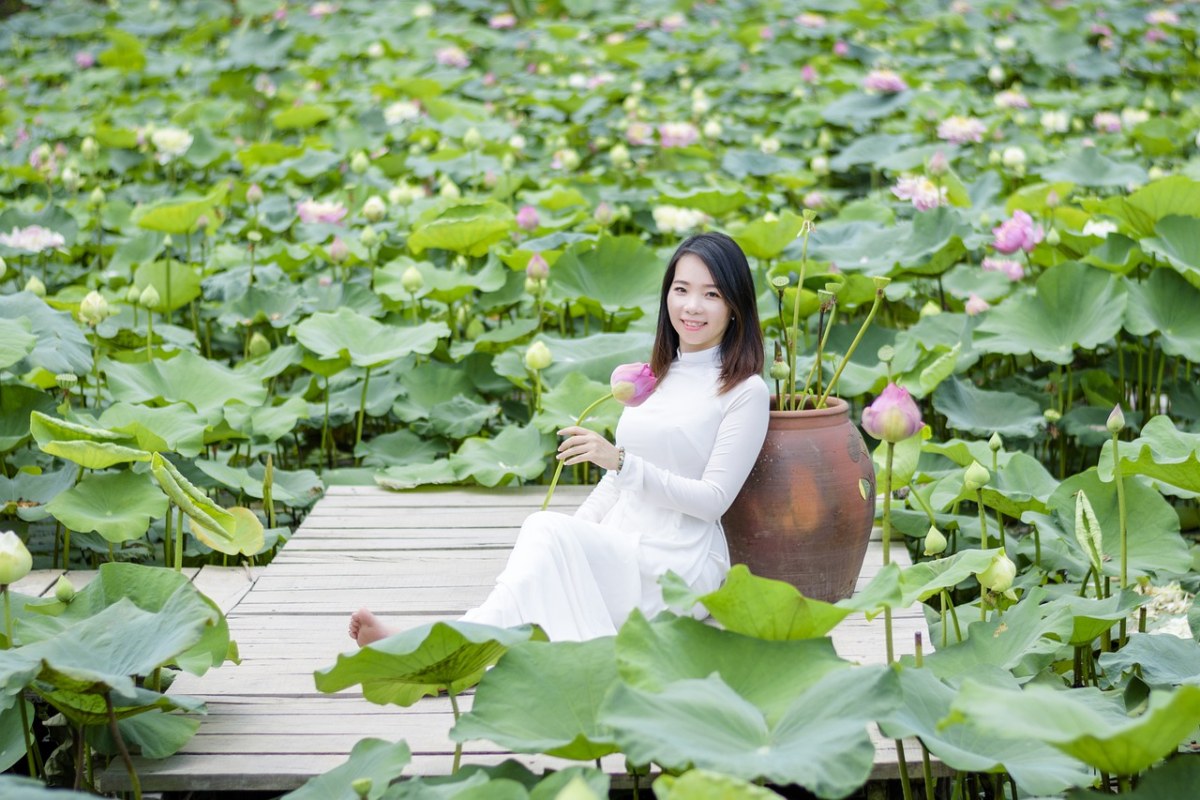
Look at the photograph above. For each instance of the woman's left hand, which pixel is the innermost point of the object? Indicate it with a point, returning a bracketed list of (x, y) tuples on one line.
[(582, 445)]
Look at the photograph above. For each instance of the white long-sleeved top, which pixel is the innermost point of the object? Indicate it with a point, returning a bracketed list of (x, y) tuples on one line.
[(688, 450)]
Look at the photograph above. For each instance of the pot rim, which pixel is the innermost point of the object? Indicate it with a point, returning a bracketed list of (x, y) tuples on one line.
[(837, 407)]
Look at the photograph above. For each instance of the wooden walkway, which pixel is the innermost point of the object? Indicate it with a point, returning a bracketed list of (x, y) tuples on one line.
[(412, 557)]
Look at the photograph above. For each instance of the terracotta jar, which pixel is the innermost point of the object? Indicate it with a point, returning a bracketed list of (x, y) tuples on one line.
[(806, 512)]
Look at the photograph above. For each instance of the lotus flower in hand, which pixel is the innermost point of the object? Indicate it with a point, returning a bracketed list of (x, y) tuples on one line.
[(632, 384)]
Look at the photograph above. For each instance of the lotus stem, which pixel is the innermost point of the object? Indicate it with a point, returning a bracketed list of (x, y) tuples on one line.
[(362, 410), (853, 346), (121, 748), (817, 363), (458, 746), (795, 329), (887, 559), (558, 469), (905, 782), (983, 531), (25, 734), (178, 540)]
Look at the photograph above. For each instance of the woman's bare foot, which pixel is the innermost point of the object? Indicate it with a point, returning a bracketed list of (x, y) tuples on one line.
[(365, 628)]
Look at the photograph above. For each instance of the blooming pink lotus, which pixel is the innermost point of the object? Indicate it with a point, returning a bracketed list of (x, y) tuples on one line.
[(632, 384), (677, 134), (893, 417), (923, 193), (1013, 270), (452, 57), (884, 80), (313, 211), (33, 239), (1107, 122), (960, 130), (500, 22), (1017, 233), (85, 60), (527, 218)]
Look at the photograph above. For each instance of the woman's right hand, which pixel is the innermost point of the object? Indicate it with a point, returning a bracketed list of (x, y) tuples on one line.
[(583, 445)]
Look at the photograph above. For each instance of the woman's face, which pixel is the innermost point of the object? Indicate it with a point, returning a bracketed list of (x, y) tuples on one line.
[(699, 314)]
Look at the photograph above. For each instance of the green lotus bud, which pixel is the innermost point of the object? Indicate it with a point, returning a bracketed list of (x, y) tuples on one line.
[(362, 787), (93, 309), (70, 179), (996, 443), (976, 477), (1053, 237), (412, 280), (360, 163), (64, 590), (149, 297), (368, 237), (90, 148), (998, 577), (474, 329), (538, 357), (1116, 420), (930, 309), (35, 286), (935, 542), (15, 560), (472, 139), (96, 198), (259, 345), (133, 294), (779, 370), (374, 209), (1051, 415), (254, 236)]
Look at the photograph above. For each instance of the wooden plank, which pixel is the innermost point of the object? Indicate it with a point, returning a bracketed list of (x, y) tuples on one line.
[(225, 586), (37, 582)]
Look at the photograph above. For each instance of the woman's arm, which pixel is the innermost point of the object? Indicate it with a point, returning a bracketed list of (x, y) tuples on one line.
[(599, 501), (739, 440)]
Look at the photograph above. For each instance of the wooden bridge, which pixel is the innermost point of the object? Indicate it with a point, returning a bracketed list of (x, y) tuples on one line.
[(413, 557)]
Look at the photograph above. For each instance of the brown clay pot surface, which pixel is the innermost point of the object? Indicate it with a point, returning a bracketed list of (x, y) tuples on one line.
[(805, 513)]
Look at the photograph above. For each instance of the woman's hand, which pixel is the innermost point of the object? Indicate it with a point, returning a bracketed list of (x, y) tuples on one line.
[(582, 445)]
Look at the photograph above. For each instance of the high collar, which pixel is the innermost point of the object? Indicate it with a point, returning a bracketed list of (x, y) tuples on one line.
[(710, 357)]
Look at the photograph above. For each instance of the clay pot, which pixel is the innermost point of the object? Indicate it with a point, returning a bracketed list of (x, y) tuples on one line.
[(805, 513)]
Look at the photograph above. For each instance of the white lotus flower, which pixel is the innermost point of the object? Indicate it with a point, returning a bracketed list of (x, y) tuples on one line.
[(170, 143)]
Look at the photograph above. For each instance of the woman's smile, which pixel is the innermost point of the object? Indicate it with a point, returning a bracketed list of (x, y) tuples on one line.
[(698, 312)]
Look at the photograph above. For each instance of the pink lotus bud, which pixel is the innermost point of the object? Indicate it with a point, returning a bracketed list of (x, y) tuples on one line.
[(632, 384), (338, 250), (976, 305), (254, 195), (938, 163), (537, 268), (893, 417), (841, 49), (527, 218)]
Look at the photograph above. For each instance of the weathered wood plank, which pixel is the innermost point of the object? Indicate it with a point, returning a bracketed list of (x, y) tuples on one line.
[(225, 586)]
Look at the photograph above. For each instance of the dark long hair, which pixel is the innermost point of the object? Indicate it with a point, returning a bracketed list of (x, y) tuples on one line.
[(742, 344)]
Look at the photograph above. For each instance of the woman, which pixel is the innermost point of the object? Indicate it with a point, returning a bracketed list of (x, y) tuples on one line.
[(680, 460)]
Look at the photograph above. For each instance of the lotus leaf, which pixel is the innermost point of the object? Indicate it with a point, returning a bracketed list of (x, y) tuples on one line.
[(403, 668), (16, 341), (819, 742), (462, 417), (176, 283), (470, 228), (398, 448), (984, 412), (12, 732), (1178, 243), (231, 531), (616, 273), (60, 345), (378, 761), (593, 356), (17, 787), (975, 747), (91, 448), (895, 587), (562, 405), (870, 150), (179, 215), (364, 341), (517, 452), (154, 734), (118, 506), (1020, 484), (1074, 306), (1175, 780), (205, 385), (496, 339), (1141, 210), (1160, 661), (17, 404), (857, 109), (1088, 724), (1089, 167), (442, 284), (302, 116), (544, 697), (712, 200), (1093, 617), (298, 489), (741, 163), (428, 386), (410, 476), (174, 427), (700, 784), (1165, 304), (767, 239), (769, 609), (1116, 253), (267, 423)]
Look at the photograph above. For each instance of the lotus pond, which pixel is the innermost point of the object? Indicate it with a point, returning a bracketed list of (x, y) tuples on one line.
[(251, 250)]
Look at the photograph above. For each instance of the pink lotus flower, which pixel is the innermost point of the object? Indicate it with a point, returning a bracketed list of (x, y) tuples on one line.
[(1162, 16), (1100, 29), (452, 57), (319, 10), (33, 239), (976, 305), (1155, 35), (814, 199), (893, 417), (1011, 269), (1011, 98), (840, 48), (85, 60), (923, 193), (527, 218), (313, 211), (632, 384), (1107, 122), (810, 20), (502, 22), (808, 73), (339, 251), (884, 80), (677, 134), (939, 164), (537, 268), (1017, 233), (960, 130)]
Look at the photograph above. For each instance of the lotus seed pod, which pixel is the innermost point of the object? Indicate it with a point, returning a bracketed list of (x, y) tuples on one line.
[(259, 345), (360, 163), (90, 148), (1116, 420), (998, 577), (64, 590), (412, 280), (66, 381), (15, 560), (779, 370), (887, 353), (1051, 415), (93, 309), (254, 195), (368, 237), (149, 297), (35, 286), (374, 209), (976, 477), (96, 198), (996, 443), (935, 542), (538, 357)]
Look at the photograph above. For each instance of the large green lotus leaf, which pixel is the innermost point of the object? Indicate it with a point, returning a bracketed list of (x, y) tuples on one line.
[(91, 448), (410, 476), (984, 412), (16, 340), (424, 660), (1152, 536), (544, 697), (86, 706), (614, 274), (742, 163), (1166, 304), (971, 747), (700, 784), (444, 284), (234, 531), (428, 386), (896, 587), (1087, 724), (150, 588), (17, 787), (1175, 195), (562, 405), (273, 363), (17, 403), (767, 239), (1161, 453), (177, 283), (819, 742), (964, 451), (12, 731), (856, 109), (302, 116), (496, 339), (364, 341), (398, 448), (26, 493), (298, 489), (768, 674), (61, 345), (178, 215), (517, 452), (1158, 660), (376, 760), (175, 427), (1176, 779), (470, 228), (769, 609), (1020, 484), (267, 423), (594, 356), (205, 385), (935, 242), (1092, 617), (154, 734), (461, 417), (1089, 167), (1117, 253), (870, 150), (1074, 306), (1024, 641), (715, 201), (1177, 242), (117, 505)]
